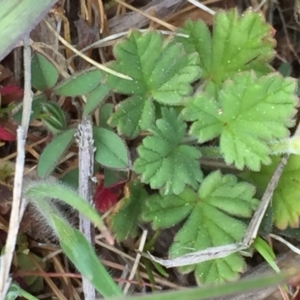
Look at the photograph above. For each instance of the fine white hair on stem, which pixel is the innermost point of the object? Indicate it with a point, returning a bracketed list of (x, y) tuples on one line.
[(18, 204)]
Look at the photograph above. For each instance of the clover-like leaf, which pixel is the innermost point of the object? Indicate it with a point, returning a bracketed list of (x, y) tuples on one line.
[(125, 217), (285, 201), (247, 113), (164, 161), (44, 74), (111, 150), (54, 151), (79, 84), (212, 221), (160, 70), (238, 43)]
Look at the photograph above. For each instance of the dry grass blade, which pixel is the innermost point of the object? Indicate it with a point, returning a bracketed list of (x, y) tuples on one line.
[(202, 6), (142, 17), (92, 62)]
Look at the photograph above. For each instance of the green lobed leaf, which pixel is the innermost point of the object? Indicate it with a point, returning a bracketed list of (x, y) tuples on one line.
[(83, 256), (95, 98), (166, 211), (238, 43), (111, 151), (285, 205), (161, 71), (248, 113), (212, 221), (133, 115), (163, 161), (125, 217), (79, 84), (53, 152), (44, 74)]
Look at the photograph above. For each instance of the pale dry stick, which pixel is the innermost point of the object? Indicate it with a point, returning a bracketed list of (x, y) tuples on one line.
[(112, 249), (157, 20), (255, 222), (86, 163), (202, 6), (260, 5), (18, 204), (102, 13), (188, 8), (48, 280), (51, 255), (199, 256), (60, 269), (283, 241), (92, 62), (136, 261)]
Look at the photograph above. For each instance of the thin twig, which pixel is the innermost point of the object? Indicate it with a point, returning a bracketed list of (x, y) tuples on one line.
[(112, 39), (135, 19), (147, 15), (255, 222), (285, 242), (18, 205), (92, 62), (136, 262), (202, 6), (86, 165)]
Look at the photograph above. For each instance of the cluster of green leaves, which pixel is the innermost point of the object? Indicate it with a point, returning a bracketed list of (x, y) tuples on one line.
[(114, 152), (186, 91), (239, 101)]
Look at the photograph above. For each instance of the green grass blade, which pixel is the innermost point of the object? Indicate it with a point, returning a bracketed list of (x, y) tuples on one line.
[(18, 18), (81, 253), (208, 292)]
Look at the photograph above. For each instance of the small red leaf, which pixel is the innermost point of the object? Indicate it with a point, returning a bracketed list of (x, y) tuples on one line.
[(10, 94), (6, 136), (107, 197)]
